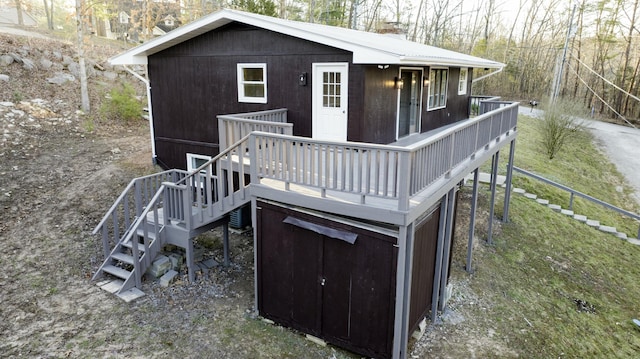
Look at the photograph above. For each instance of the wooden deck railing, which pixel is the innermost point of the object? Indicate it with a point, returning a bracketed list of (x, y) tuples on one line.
[(367, 170), (231, 128), (116, 224)]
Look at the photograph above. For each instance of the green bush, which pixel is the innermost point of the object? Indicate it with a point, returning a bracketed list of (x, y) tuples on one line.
[(560, 123), (121, 104)]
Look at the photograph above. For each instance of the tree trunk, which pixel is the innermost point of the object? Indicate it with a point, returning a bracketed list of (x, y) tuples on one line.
[(19, 12), (84, 90)]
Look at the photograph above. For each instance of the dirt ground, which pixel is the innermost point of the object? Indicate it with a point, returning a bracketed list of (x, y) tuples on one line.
[(60, 172)]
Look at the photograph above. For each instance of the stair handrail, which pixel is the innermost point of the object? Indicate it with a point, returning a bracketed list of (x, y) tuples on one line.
[(115, 204), (229, 149), (134, 228)]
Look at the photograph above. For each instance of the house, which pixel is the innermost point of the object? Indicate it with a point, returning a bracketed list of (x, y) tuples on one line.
[(349, 148), (165, 25)]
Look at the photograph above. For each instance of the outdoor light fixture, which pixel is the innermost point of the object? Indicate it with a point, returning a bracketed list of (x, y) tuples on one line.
[(398, 83), (425, 81), (302, 79)]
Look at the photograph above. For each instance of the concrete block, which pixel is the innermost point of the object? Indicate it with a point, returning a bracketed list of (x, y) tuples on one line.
[(555, 207), (530, 195), (176, 260), (519, 191), (316, 340), (567, 212), (160, 266), (634, 241), (621, 235), (168, 278), (542, 201), (593, 223), (198, 253), (210, 263), (580, 218), (607, 229)]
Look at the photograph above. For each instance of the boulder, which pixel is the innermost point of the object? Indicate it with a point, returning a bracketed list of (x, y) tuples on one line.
[(6, 60), (60, 77), (4, 78), (28, 64), (45, 63)]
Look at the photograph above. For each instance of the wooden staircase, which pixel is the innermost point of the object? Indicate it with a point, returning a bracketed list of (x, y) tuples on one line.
[(170, 207)]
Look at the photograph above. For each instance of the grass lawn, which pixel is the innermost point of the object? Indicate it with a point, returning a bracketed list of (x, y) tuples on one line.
[(557, 287)]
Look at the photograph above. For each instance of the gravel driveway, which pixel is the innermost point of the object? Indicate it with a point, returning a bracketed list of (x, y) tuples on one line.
[(620, 143)]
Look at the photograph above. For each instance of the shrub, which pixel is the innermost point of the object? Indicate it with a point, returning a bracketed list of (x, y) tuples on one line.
[(560, 122), (121, 104)]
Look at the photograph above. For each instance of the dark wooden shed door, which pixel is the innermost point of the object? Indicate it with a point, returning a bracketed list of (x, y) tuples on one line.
[(326, 286)]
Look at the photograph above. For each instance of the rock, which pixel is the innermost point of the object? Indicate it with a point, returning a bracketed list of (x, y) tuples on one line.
[(17, 58), (6, 60), (57, 55), (66, 60), (7, 104), (110, 75), (74, 68), (28, 64), (4, 78), (60, 77), (45, 63)]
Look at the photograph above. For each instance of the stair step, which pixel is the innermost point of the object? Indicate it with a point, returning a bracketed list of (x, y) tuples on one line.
[(129, 245), (123, 257), (117, 271), (151, 234)]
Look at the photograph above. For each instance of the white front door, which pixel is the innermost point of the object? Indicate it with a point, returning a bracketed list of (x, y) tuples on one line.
[(329, 104)]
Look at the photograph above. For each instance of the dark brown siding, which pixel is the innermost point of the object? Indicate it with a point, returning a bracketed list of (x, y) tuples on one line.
[(378, 121), (457, 105), (424, 259), (193, 82), (355, 306)]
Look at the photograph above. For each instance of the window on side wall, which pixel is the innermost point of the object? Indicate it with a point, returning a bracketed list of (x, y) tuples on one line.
[(252, 83), (194, 161), (462, 82), (438, 88)]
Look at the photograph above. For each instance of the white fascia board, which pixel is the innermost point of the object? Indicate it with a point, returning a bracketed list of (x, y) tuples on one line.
[(134, 56)]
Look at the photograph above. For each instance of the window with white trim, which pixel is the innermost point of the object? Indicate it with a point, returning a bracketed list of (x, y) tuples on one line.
[(462, 81), (438, 88), (194, 161), (252, 83)]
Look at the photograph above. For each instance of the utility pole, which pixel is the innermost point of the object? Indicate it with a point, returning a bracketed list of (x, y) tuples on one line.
[(557, 79)]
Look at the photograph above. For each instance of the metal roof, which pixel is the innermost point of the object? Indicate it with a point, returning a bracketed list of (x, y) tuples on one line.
[(367, 47)]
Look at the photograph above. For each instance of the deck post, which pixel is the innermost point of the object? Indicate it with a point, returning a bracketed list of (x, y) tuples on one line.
[(451, 199), (494, 179), (438, 265), (403, 292), (225, 243), (507, 191), (254, 223), (472, 219)]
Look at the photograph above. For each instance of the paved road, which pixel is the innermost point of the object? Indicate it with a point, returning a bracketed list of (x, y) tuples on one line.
[(620, 143), (7, 29)]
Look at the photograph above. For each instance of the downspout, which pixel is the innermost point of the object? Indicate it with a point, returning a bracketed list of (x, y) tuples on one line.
[(487, 75), (151, 129)]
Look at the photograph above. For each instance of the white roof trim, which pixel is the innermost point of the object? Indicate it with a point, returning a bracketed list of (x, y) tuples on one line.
[(367, 48)]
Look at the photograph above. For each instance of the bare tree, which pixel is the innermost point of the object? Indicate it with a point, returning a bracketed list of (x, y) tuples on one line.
[(84, 90), (19, 12), (48, 10)]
